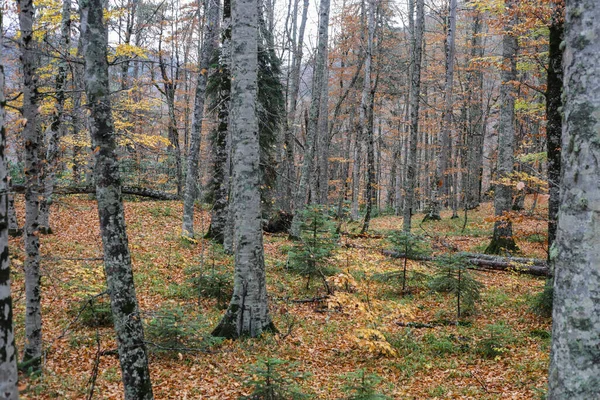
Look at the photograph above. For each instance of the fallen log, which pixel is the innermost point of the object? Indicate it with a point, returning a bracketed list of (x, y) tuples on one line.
[(129, 190), (530, 266)]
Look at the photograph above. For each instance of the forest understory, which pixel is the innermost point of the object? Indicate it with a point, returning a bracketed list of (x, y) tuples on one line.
[(329, 343)]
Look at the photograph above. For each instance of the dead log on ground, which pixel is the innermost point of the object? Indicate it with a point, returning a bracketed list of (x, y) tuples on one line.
[(129, 190), (530, 266)]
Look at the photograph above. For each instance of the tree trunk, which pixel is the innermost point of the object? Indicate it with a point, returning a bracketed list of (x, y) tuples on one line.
[(290, 174), (554, 118), (439, 187), (476, 127), (248, 312), (575, 353), (323, 135), (415, 89), (117, 259), (367, 105), (221, 176), (8, 350), (503, 237), (211, 12), (56, 128), (33, 313), (318, 80)]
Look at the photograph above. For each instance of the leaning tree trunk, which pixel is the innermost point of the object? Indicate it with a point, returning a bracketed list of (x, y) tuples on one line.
[(117, 259), (415, 89), (318, 80), (575, 353), (54, 131), (211, 12), (503, 235), (439, 187), (33, 314), (248, 311), (554, 118), (8, 350)]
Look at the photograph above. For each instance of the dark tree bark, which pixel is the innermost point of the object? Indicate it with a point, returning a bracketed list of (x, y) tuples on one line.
[(554, 118), (211, 12), (575, 353), (117, 259), (8, 350)]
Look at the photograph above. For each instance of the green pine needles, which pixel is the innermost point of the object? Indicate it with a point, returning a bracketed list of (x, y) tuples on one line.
[(317, 241), (406, 246), (362, 386), (269, 381), (453, 277)]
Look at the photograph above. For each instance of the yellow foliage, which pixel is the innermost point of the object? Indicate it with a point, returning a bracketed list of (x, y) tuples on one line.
[(374, 342), (128, 50)]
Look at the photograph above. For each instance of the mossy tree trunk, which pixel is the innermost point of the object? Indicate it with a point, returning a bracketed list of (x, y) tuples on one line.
[(575, 353), (117, 259), (554, 118), (8, 351), (211, 13), (248, 311), (31, 137)]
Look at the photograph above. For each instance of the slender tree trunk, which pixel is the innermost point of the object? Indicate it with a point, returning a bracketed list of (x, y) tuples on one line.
[(318, 80), (575, 353), (211, 12), (367, 105), (221, 176), (13, 223), (56, 128), (476, 126), (8, 350), (290, 172), (31, 137), (503, 235), (415, 88), (248, 312), (323, 135), (440, 182), (117, 259), (554, 118)]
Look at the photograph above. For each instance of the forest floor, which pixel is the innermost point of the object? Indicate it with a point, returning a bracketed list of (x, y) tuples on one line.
[(499, 352)]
